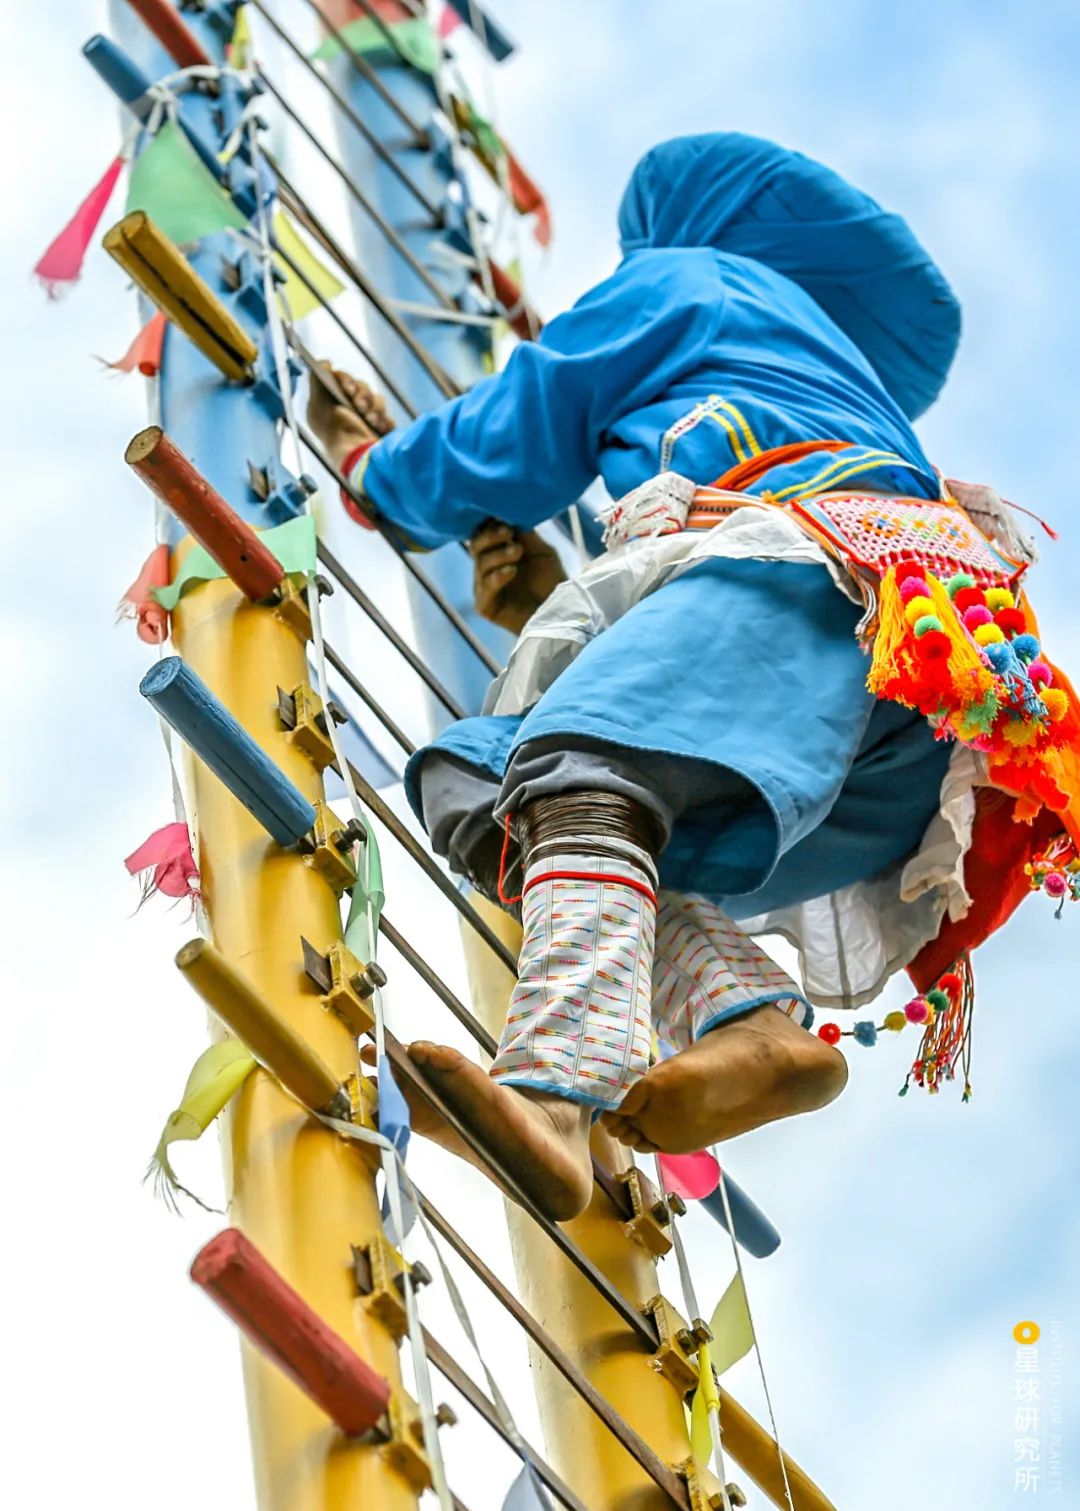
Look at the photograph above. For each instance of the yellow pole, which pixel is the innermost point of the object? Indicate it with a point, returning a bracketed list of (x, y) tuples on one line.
[(579, 1446), (299, 1193)]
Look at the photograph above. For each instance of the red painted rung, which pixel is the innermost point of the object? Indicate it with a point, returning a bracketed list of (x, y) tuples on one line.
[(281, 1325), (163, 19), (232, 543)]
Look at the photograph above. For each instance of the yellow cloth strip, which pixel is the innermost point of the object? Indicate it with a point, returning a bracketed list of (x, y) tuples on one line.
[(295, 294), (217, 1075)]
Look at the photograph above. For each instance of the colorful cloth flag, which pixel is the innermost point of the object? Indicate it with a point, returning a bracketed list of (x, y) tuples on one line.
[(731, 1327), (144, 353), (177, 190), (690, 1176), (166, 863), (293, 543), (61, 262), (415, 40), (297, 298), (216, 1076), (362, 932)]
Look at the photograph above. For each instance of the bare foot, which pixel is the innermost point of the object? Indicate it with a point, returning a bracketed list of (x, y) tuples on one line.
[(541, 1140), (745, 1073)]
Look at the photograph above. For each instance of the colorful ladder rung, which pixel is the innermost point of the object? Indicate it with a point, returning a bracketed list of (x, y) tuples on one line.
[(281, 1325), (164, 275), (232, 542), (255, 1022), (186, 704), (132, 88), (753, 1230), (165, 22)]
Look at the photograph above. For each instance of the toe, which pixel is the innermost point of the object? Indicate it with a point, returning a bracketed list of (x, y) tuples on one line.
[(636, 1099)]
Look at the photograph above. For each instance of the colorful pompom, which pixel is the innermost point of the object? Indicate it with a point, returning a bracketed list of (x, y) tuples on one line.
[(988, 634), (934, 646), (1054, 885), (938, 1000), (1000, 598), (906, 569), (1020, 733), (968, 598), (914, 587), (830, 1032), (865, 1033), (1026, 647), (999, 655), (958, 583), (976, 615), (926, 624), (917, 1010), (951, 983), (1011, 621), (1040, 674), (917, 607), (894, 1022), (1057, 702)]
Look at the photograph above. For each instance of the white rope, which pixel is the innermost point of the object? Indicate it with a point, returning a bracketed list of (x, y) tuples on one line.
[(421, 1369), (753, 1329), (439, 312), (690, 1301)]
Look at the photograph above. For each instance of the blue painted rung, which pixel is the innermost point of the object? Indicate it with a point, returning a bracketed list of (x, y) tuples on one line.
[(486, 29), (753, 1230), (186, 703), (131, 87)]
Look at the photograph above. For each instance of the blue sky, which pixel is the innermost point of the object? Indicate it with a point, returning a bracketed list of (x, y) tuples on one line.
[(916, 1231)]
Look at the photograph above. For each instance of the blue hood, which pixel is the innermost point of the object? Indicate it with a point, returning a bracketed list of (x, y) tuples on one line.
[(863, 266)]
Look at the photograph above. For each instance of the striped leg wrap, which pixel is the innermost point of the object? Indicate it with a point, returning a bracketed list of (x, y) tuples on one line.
[(580, 1020)]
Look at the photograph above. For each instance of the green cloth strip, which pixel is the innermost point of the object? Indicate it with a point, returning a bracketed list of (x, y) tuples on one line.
[(415, 38), (177, 190), (293, 543), (358, 927)]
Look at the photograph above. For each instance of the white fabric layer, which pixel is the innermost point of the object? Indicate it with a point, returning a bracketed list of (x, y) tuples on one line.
[(601, 971), (706, 971), (579, 1022), (582, 607), (851, 942)]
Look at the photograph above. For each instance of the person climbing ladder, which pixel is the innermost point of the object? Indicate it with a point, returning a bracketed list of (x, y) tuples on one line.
[(685, 746)]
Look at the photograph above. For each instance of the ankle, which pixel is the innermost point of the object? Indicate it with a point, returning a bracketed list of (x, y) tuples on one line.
[(568, 1117)]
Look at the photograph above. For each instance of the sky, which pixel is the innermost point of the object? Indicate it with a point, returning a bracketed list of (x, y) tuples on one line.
[(916, 1232)]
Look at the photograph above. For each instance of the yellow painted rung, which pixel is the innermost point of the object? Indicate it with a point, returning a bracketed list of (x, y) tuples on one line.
[(755, 1452), (164, 275), (256, 1023)]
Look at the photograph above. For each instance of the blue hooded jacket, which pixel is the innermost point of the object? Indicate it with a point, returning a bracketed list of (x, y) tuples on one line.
[(762, 301)]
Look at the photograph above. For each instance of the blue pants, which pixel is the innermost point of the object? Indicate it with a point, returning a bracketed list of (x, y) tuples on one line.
[(733, 703)]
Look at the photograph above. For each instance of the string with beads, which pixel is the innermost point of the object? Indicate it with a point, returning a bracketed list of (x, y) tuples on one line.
[(1056, 871), (945, 1014)]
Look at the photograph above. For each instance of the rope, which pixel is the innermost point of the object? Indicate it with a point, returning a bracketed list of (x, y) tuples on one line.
[(421, 1371), (370, 75), (694, 1311), (400, 246), (377, 146), (753, 1328)]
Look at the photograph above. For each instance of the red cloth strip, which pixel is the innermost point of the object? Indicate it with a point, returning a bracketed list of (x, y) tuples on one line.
[(618, 881), (352, 508)]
